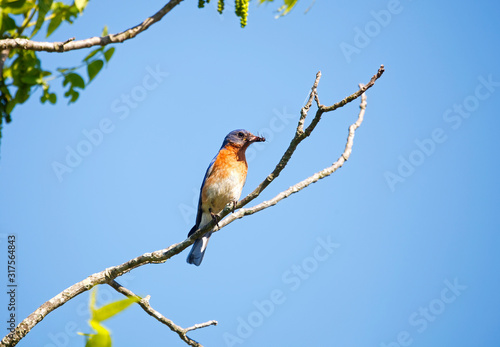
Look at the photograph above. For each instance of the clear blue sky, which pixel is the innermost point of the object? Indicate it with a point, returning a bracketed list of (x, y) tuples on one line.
[(398, 248)]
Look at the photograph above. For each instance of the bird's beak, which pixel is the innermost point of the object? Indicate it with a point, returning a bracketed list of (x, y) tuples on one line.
[(254, 138)]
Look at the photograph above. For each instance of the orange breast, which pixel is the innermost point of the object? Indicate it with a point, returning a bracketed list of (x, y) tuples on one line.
[(230, 159), (226, 180)]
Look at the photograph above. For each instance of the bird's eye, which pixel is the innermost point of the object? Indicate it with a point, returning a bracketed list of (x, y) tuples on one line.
[(241, 135)]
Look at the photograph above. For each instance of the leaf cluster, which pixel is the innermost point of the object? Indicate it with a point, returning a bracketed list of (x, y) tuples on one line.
[(241, 8), (21, 71)]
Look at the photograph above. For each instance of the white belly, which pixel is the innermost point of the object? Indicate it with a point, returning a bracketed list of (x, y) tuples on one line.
[(224, 191)]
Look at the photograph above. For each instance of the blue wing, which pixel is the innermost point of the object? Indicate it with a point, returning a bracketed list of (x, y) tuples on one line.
[(198, 216)]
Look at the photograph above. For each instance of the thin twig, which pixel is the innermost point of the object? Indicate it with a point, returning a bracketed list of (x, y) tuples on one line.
[(26, 21), (201, 325), (92, 41), (69, 40), (310, 6), (144, 303), (304, 110)]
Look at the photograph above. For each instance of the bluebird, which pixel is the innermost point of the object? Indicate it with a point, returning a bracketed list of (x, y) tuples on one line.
[(222, 184)]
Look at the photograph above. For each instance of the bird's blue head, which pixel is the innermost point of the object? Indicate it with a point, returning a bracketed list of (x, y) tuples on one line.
[(241, 138)]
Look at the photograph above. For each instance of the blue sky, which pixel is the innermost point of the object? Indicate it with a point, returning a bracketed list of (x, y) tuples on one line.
[(398, 248)]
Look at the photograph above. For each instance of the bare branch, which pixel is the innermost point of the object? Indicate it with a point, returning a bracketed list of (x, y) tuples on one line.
[(92, 41), (69, 40), (322, 109), (161, 256), (362, 89), (301, 135), (305, 109), (201, 325), (144, 303), (308, 181)]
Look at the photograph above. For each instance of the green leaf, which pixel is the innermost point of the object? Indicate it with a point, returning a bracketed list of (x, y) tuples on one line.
[(101, 339), (109, 53), (94, 52), (54, 24), (74, 96), (7, 72), (81, 4), (10, 106), (47, 96), (8, 23), (52, 98), (75, 80), (287, 7), (22, 94), (13, 3), (30, 79), (93, 68), (113, 308), (23, 9), (105, 31), (43, 8)]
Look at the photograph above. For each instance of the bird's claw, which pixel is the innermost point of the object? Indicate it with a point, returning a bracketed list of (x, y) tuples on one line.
[(216, 218)]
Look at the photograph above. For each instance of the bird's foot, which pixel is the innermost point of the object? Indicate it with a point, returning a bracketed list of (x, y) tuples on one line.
[(216, 218), (234, 205)]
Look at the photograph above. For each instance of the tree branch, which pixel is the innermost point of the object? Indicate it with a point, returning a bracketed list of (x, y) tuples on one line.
[(144, 303), (93, 41), (161, 256), (300, 134), (308, 181)]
